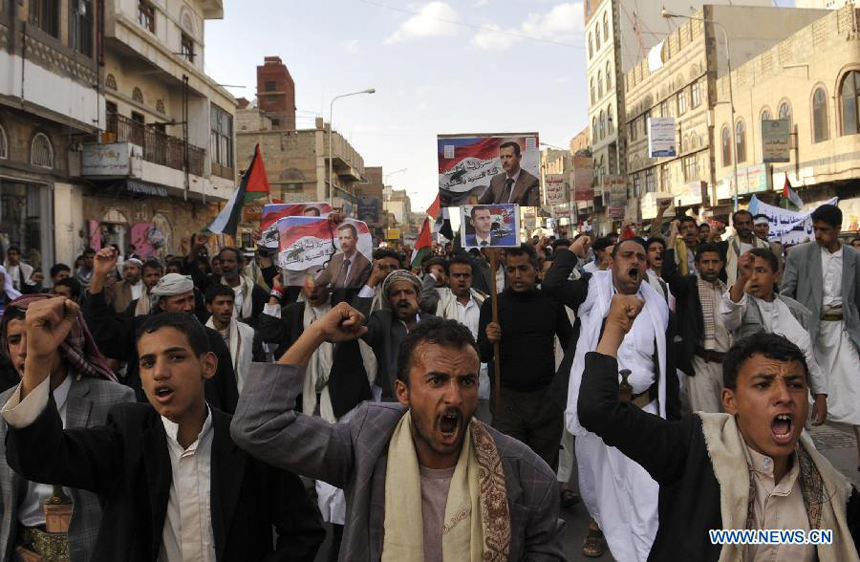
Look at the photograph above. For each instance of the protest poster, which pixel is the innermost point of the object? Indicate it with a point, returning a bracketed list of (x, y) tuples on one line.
[(787, 227), (272, 212), (473, 169), (335, 255), (556, 189), (583, 178), (616, 186), (661, 137), (496, 226)]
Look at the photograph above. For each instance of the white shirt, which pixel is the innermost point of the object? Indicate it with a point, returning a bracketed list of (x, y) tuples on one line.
[(187, 535), (238, 300), (778, 319), (637, 352), (591, 267), (744, 247), (514, 177), (831, 272), (136, 290), (30, 512), (469, 315), (483, 241)]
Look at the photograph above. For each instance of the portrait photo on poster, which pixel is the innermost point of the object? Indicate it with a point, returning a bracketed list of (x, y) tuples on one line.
[(495, 226), (479, 169), (335, 255), (274, 211)]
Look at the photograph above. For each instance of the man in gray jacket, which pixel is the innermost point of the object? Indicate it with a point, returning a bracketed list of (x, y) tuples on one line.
[(824, 276), (412, 469)]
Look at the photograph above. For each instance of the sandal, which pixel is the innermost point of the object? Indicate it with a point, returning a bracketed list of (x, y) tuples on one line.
[(594, 545), (569, 498)]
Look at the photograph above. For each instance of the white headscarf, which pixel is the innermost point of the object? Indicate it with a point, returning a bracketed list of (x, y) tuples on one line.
[(170, 285)]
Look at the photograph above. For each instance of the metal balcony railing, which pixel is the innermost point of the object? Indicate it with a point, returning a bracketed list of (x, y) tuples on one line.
[(158, 146)]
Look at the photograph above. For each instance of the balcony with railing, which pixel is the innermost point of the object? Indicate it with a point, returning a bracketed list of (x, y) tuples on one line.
[(158, 146)]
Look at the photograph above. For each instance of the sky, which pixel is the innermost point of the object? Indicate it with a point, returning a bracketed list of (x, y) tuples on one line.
[(439, 67)]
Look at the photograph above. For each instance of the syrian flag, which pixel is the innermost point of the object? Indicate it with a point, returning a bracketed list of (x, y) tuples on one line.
[(791, 195), (254, 185), (422, 245)]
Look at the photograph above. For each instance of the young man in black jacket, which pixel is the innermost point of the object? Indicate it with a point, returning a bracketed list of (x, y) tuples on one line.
[(173, 485), (748, 469)]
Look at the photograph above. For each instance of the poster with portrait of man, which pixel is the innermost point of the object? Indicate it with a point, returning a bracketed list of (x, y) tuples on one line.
[(339, 253), (273, 212), (495, 226), (489, 169)]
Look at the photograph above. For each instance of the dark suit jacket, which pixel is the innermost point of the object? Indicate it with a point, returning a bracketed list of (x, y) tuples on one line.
[(359, 271), (495, 240), (353, 456), (127, 463), (688, 307), (572, 294), (526, 191), (346, 387), (115, 335)]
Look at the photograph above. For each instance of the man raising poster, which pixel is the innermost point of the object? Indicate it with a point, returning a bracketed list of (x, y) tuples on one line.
[(514, 185)]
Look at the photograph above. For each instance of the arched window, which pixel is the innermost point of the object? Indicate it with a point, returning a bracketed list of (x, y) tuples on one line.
[(726, 137), (594, 129), (137, 95), (110, 82), (606, 27), (591, 91), (849, 94), (41, 152), (597, 39), (599, 84), (765, 115), (590, 47), (741, 142), (602, 124), (785, 111), (608, 76), (820, 124), (609, 119), (4, 144)]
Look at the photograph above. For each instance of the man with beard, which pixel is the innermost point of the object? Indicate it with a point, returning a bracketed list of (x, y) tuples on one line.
[(423, 478), (385, 261), (116, 335), (245, 347), (738, 244), (705, 339), (457, 301), (606, 477), (250, 297), (824, 276), (528, 322), (130, 288), (685, 256), (762, 309), (748, 469), (386, 329)]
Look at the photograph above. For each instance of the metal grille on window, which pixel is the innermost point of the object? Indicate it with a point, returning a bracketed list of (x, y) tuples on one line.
[(41, 152), (4, 144)]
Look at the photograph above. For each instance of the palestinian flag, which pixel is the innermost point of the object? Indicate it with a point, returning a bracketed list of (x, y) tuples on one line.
[(422, 245), (254, 185), (790, 199)]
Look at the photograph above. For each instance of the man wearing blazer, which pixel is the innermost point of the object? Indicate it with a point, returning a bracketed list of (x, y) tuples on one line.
[(824, 277), (349, 267), (173, 485), (514, 185), (84, 394)]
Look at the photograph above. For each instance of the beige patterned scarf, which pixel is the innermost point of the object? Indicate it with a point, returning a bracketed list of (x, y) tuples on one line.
[(709, 309), (477, 524)]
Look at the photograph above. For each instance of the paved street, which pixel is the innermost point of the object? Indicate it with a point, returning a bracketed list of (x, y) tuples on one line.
[(836, 446)]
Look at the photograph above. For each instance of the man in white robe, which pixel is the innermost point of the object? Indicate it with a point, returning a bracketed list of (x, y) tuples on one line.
[(618, 493), (824, 276)]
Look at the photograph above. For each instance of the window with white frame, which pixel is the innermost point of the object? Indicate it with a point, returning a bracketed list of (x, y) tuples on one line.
[(42, 152)]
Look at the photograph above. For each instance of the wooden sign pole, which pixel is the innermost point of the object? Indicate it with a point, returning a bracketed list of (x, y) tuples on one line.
[(496, 394)]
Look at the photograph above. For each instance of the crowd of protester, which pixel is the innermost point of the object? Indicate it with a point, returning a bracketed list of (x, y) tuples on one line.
[(196, 408)]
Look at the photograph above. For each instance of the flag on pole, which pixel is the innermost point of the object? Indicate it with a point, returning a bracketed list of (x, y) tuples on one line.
[(254, 185), (790, 195), (422, 245), (435, 209)]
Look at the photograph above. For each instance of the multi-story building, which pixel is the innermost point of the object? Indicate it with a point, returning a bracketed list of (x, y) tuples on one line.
[(370, 199), (812, 78), (397, 202), (166, 157), (49, 103), (678, 79), (619, 34)]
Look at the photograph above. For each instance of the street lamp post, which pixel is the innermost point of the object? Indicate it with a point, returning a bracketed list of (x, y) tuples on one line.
[(330, 153), (669, 15)]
